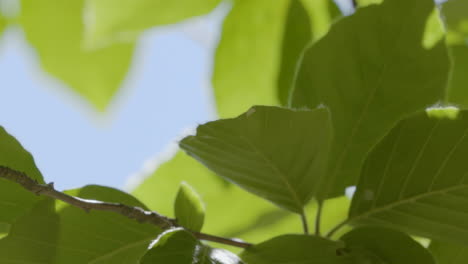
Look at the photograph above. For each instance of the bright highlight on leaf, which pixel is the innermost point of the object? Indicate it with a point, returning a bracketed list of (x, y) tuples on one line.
[(189, 208), (449, 112), (278, 154)]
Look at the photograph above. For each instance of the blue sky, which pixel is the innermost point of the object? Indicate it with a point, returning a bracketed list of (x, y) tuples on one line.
[(166, 92)]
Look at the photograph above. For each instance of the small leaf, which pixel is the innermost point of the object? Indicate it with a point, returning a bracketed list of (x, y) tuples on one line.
[(385, 73), (178, 246), (289, 249), (415, 179), (385, 245), (448, 253), (55, 30), (124, 20), (189, 208), (275, 153)]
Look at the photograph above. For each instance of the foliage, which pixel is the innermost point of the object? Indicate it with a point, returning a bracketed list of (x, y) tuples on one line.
[(374, 100)]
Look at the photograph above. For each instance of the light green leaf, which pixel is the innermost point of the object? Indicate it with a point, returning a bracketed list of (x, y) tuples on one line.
[(189, 208), (362, 3), (180, 247), (456, 18), (278, 154), (448, 253), (288, 249), (371, 70), (415, 180), (124, 20), (385, 246), (260, 45), (3, 23), (15, 201), (55, 29)]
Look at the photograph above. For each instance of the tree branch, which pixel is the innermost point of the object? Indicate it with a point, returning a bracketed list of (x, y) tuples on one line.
[(131, 212)]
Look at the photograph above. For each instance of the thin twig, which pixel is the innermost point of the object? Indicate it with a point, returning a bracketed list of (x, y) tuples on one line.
[(318, 217), (131, 212), (304, 222)]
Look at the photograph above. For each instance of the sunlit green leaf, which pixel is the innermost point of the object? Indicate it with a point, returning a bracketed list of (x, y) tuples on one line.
[(449, 253), (123, 20), (180, 247), (55, 30), (415, 179), (189, 209), (260, 45), (289, 249), (371, 70), (383, 245), (275, 153), (15, 201), (3, 23)]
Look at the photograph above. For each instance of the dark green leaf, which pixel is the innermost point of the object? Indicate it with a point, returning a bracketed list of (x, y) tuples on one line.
[(15, 201), (180, 247), (122, 20), (415, 178), (189, 209), (295, 249), (449, 253), (260, 45), (275, 153), (55, 29), (386, 246), (371, 70)]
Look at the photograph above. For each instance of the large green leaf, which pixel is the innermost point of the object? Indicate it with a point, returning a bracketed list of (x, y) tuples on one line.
[(260, 220), (123, 20), (278, 154), (295, 249), (55, 29), (180, 247), (189, 209), (448, 253), (415, 179), (371, 70), (56, 233), (383, 245), (260, 45), (15, 201), (456, 17)]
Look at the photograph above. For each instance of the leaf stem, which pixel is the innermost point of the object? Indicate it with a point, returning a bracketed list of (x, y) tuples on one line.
[(318, 217), (305, 226), (337, 227), (354, 3), (131, 212)]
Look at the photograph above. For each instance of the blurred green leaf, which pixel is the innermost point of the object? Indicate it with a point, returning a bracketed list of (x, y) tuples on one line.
[(414, 180), (260, 45), (276, 153), (189, 209), (179, 247), (15, 201), (371, 70), (55, 30), (124, 20), (456, 17), (3, 23), (295, 249), (448, 253), (383, 245)]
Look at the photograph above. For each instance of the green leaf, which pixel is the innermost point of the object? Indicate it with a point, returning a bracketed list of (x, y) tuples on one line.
[(3, 23), (414, 180), (385, 245), (124, 20), (371, 70), (189, 208), (15, 200), (288, 249), (456, 18), (55, 29), (275, 153), (178, 246), (271, 37), (448, 253)]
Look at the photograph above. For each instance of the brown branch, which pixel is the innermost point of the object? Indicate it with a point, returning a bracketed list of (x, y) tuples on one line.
[(131, 212)]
